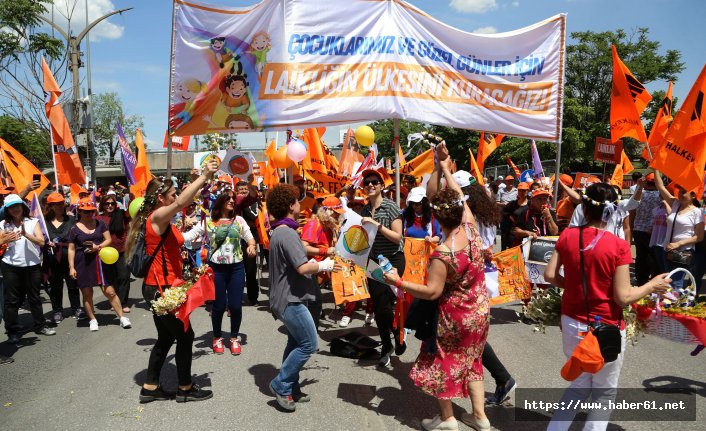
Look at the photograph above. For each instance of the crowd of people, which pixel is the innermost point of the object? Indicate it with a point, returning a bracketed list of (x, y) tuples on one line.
[(214, 221)]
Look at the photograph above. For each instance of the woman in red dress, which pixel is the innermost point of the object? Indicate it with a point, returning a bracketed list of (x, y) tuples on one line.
[(450, 364)]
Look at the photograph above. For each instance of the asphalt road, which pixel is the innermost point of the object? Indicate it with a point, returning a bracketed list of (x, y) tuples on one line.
[(80, 380)]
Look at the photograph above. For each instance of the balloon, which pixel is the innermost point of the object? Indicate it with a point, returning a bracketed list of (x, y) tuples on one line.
[(280, 159), (135, 206), (365, 136), (296, 150), (108, 255)]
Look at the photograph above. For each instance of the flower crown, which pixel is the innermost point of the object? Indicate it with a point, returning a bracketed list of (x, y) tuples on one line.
[(596, 203), (447, 205)]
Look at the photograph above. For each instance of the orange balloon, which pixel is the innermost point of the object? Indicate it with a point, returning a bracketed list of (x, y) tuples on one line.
[(280, 158)]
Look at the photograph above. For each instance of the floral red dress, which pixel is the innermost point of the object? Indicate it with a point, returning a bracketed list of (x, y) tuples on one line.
[(464, 318)]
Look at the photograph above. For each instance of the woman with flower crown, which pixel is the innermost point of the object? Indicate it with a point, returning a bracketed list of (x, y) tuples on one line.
[(164, 240)]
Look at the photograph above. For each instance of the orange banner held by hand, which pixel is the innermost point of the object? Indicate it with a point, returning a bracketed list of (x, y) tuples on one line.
[(350, 284)]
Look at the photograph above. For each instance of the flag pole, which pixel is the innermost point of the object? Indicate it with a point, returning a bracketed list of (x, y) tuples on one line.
[(396, 139), (169, 157), (557, 174)]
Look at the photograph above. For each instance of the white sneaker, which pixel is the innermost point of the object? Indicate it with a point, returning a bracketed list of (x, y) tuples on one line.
[(93, 325), (436, 424), (476, 424), (125, 323), (345, 320), (369, 319)]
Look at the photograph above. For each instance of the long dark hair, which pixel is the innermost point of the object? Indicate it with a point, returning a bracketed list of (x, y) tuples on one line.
[(408, 214), (219, 210), (50, 214), (594, 200), (483, 208), (117, 218), (155, 188), (25, 212)]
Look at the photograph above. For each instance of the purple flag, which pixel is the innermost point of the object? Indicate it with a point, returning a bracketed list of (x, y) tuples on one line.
[(536, 163), (129, 159), (35, 211)]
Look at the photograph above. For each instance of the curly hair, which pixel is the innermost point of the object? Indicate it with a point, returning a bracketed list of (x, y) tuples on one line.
[(448, 208), (219, 211), (483, 208), (280, 198), (155, 188)]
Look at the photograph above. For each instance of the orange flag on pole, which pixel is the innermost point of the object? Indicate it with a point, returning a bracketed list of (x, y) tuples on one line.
[(314, 160), (420, 165), (271, 177), (683, 156), (488, 143), (350, 155), (67, 164), (660, 126), (19, 169), (474, 169), (627, 101), (142, 169), (332, 164), (622, 168), (514, 168)]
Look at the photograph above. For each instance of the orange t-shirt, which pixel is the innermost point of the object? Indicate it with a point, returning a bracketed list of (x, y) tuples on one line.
[(172, 255)]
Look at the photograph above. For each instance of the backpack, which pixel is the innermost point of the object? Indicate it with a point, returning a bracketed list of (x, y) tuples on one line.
[(140, 262), (353, 345)]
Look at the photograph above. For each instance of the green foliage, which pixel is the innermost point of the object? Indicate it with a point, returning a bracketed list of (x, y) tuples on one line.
[(26, 138), (18, 19), (107, 111), (221, 141)]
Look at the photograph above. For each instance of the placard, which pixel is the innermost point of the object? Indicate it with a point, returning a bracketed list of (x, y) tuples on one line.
[(541, 249), (607, 151)]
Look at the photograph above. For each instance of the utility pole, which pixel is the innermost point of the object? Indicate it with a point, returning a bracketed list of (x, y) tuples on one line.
[(75, 54)]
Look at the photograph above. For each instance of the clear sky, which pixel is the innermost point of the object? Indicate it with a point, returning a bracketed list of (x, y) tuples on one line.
[(130, 52)]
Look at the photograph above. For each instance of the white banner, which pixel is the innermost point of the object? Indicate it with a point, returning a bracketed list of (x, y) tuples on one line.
[(286, 63)]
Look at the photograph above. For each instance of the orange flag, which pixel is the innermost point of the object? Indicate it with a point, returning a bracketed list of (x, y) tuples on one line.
[(420, 165), (488, 143), (332, 164), (350, 155), (67, 164), (314, 160), (474, 169), (75, 191), (514, 168), (624, 167), (271, 174), (20, 170), (142, 169), (627, 101), (683, 156), (401, 155), (660, 126)]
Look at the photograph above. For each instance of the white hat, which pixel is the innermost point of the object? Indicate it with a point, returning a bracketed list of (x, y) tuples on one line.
[(13, 199), (111, 192), (416, 194), (463, 178)]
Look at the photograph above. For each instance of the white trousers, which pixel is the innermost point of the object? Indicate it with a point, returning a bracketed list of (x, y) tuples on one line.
[(600, 387)]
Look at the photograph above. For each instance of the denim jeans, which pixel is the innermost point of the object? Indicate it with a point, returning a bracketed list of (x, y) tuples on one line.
[(229, 280), (661, 258), (302, 342)]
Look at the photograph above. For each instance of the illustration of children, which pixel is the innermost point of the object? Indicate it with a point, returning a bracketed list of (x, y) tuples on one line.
[(220, 54), (185, 92), (239, 122), (259, 47)]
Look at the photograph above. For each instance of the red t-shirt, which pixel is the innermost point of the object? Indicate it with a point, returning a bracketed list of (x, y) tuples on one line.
[(172, 255), (600, 265)]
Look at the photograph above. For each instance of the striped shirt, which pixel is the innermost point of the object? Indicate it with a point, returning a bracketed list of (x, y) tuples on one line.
[(385, 214)]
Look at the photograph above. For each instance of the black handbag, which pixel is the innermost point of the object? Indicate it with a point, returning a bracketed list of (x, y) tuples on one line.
[(680, 257), (609, 338)]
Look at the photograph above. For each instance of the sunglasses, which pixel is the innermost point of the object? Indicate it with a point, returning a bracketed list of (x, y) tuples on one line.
[(110, 204), (367, 183)]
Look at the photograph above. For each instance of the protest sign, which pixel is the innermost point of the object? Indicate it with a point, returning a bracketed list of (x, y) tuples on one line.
[(349, 284), (355, 239)]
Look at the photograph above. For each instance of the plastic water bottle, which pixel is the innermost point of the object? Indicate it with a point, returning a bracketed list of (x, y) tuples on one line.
[(384, 263)]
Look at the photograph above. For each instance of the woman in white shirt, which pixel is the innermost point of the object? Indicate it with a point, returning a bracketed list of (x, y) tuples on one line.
[(685, 226), (21, 267), (225, 230)]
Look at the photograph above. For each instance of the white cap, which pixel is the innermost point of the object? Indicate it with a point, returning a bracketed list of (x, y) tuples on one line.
[(416, 194), (111, 192), (463, 178)]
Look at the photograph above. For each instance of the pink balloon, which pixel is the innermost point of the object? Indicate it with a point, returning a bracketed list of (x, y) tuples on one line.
[(296, 150)]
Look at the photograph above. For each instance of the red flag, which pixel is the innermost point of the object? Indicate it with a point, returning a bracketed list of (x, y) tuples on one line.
[(180, 143), (488, 143), (627, 101), (660, 126), (683, 156), (203, 290), (66, 161)]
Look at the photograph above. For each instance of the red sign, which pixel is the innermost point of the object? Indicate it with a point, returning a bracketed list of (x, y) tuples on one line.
[(607, 151), (180, 143)]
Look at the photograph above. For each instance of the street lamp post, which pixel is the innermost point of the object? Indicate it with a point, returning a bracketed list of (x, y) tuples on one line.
[(74, 45)]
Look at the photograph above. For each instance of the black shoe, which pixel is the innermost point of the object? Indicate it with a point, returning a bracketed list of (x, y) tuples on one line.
[(400, 347), (502, 392), (13, 339), (301, 397), (195, 393), (159, 394), (384, 361), (8, 360), (284, 401)]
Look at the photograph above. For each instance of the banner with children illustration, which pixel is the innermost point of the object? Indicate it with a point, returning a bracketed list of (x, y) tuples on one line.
[(281, 63), (512, 282), (349, 284), (416, 256)]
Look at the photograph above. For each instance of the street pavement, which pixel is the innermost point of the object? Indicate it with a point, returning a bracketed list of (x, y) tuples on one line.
[(79, 380)]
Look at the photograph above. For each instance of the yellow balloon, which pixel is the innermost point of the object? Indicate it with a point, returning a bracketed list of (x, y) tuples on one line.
[(135, 206), (365, 136), (108, 255)]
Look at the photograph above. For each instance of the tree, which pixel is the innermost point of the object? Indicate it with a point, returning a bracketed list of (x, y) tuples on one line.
[(107, 111), (221, 141), (21, 49), (27, 138), (589, 68)]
